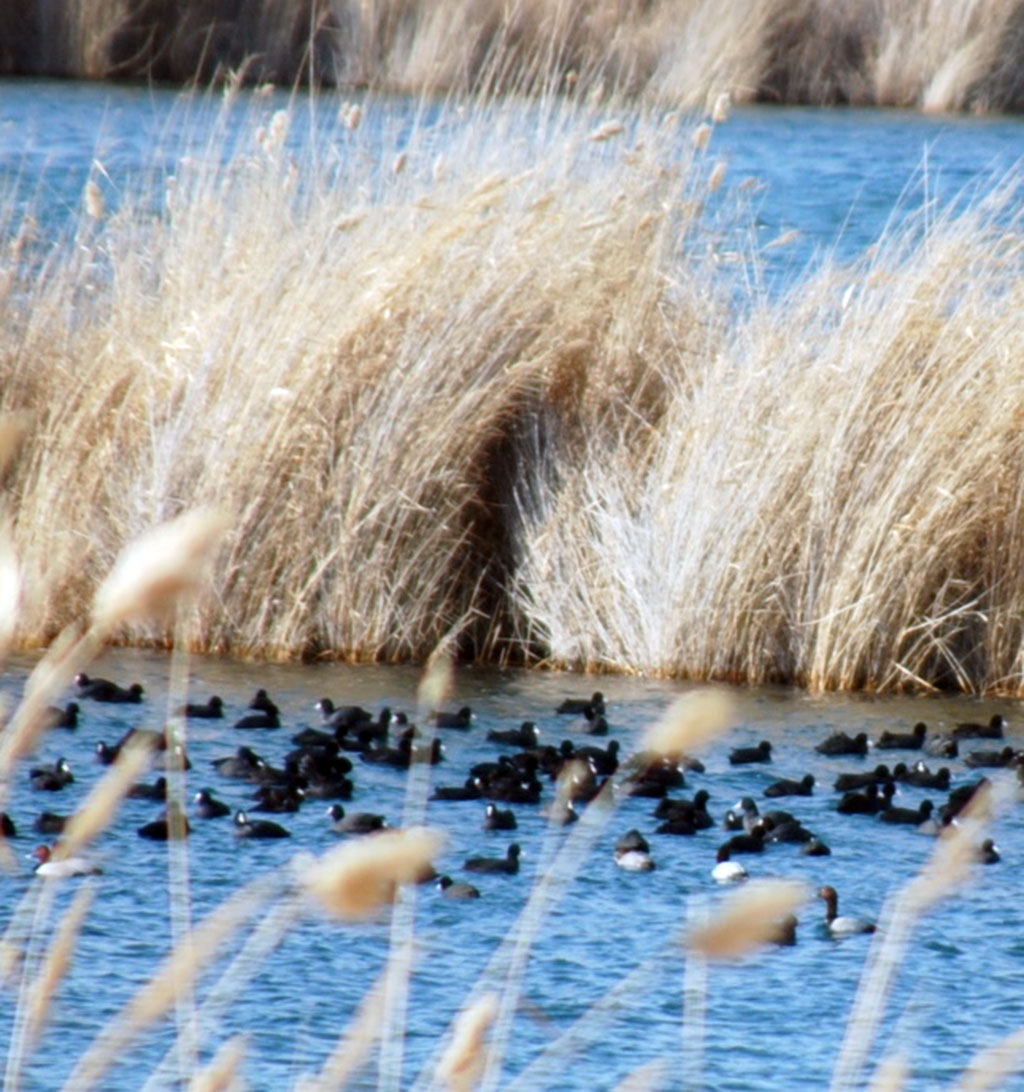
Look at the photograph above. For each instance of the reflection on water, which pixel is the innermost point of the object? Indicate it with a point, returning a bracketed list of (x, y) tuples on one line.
[(965, 959)]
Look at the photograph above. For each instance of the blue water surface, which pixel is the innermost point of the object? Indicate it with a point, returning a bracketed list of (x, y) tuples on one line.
[(775, 1022), (966, 958)]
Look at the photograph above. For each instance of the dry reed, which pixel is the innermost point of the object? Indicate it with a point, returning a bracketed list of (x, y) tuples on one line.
[(514, 409), (924, 53)]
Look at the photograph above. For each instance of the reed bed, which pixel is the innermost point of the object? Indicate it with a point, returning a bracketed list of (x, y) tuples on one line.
[(832, 498), (508, 381), (926, 54)]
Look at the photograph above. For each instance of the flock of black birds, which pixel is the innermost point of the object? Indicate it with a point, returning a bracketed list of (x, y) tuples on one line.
[(323, 761)]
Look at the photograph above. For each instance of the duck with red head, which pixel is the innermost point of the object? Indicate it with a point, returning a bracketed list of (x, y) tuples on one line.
[(53, 867)]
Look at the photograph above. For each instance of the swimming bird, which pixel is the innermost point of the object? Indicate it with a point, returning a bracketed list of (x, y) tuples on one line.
[(106, 691), (284, 798), (845, 925), (451, 889), (654, 774), (785, 931), (496, 818), (603, 761), (581, 706), (988, 852), (907, 816), (172, 825), (746, 843), (260, 718), (213, 709), (49, 822), (526, 735), (839, 743), (692, 812), (209, 807), (52, 778), (461, 719), (63, 718), (589, 723), (992, 759), (940, 745), (244, 765), (816, 848), (59, 867), (633, 853), (743, 815), (847, 782), (993, 730), (258, 828), (907, 741), (959, 798), (727, 870), (742, 755), (471, 789), (868, 802), (790, 830), (507, 865), (262, 703), (562, 811), (920, 776), (787, 787), (360, 822), (142, 791)]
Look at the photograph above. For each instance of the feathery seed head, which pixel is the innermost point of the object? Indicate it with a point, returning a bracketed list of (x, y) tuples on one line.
[(690, 722), (354, 879), (158, 568), (748, 919), (462, 1064)]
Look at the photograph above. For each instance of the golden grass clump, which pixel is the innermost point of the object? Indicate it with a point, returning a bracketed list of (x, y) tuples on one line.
[(807, 510), (464, 328)]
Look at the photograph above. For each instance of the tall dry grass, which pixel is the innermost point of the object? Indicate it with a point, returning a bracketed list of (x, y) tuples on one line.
[(360, 353), (503, 385), (931, 54), (832, 498)]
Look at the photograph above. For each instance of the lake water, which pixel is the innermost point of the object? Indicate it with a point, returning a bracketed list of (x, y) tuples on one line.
[(772, 1023), (960, 988)]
